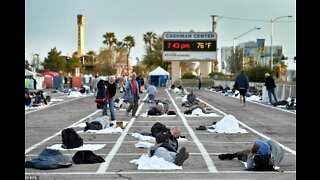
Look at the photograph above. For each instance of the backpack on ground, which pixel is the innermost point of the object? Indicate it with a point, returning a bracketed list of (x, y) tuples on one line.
[(262, 163), (154, 111), (95, 125), (171, 113), (70, 139), (86, 157), (158, 127)]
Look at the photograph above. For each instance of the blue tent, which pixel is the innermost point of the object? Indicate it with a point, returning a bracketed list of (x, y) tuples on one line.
[(159, 77)]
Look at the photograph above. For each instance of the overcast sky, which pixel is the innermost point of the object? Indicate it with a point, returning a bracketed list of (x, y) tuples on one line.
[(53, 23)]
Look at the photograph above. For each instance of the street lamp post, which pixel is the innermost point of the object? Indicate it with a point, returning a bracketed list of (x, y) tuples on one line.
[(271, 36), (234, 41)]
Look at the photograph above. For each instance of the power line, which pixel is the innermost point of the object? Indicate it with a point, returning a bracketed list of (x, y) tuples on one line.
[(247, 19)]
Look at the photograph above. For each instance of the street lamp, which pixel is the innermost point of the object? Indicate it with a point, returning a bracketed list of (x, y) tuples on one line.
[(234, 40), (271, 51)]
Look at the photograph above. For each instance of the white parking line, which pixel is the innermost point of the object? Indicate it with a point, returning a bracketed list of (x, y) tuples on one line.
[(261, 104), (104, 166), (47, 106), (254, 131), (56, 134), (160, 172), (212, 168)]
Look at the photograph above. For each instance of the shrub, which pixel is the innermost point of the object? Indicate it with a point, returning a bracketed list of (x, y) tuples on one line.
[(189, 75), (256, 74)]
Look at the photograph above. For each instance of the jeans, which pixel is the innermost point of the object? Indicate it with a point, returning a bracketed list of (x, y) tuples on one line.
[(271, 92), (162, 152), (133, 105), (111, 107)]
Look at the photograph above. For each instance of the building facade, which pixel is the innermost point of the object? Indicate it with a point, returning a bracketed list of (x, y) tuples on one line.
[(249, 52)]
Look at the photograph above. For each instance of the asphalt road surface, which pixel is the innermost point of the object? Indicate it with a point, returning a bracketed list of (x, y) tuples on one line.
[(43, 129)]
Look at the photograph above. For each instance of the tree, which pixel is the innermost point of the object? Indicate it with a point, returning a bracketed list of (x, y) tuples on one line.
[(109, 39), (153, 59), (149, 39), (54, 62), (105, 63), (72, 63), (236, 61), (256, 73), (129, 42), (92, 56)]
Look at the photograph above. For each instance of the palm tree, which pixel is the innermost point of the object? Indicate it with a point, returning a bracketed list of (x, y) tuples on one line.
[(93, 55), (110, 39), (128, 42), (149, 39)]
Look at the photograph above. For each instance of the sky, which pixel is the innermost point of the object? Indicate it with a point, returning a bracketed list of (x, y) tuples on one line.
[(53, 23)]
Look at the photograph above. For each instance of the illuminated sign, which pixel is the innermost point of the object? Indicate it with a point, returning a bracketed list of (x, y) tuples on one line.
[(191, 45), (195, 46)]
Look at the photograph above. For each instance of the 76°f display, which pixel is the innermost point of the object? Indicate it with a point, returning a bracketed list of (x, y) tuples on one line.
[(192, 45)]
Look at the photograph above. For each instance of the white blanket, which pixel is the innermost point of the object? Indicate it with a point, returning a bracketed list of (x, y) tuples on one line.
[(228, 124), (198, 112), (154, 163), (75, 94), (56, 100), (152, 139), (91, 147), (164, 115), (143, 145), (81, 125)]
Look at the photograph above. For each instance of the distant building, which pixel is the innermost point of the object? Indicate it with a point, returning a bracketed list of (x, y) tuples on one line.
[(249, 52)]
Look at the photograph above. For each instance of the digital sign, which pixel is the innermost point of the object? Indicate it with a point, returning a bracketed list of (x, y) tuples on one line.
[(190, 45), (194, 46)]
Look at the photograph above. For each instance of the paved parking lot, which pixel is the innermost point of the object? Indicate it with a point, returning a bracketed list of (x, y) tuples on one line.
[(43, 129)]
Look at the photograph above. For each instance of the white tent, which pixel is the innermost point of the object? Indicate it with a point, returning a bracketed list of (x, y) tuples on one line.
[(159, 76), (37, 76), (29, 73), (158, 72)]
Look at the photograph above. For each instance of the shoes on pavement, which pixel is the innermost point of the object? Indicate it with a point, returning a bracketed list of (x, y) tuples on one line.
[(127, 113), (181, 156), (227, 156), (201, 128)]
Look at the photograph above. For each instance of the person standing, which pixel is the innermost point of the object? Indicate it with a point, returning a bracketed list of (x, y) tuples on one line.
[(242, 84), (101, 94), (94, 83), (200, 80), (26, 84), (34, 83), (65, 82), (270, 86), (111, 92), (132, 95)]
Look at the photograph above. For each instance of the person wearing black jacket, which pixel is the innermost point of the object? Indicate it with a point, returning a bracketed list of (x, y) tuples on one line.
[(167, 145), (27, 101), (270, 86), (111, 92)]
